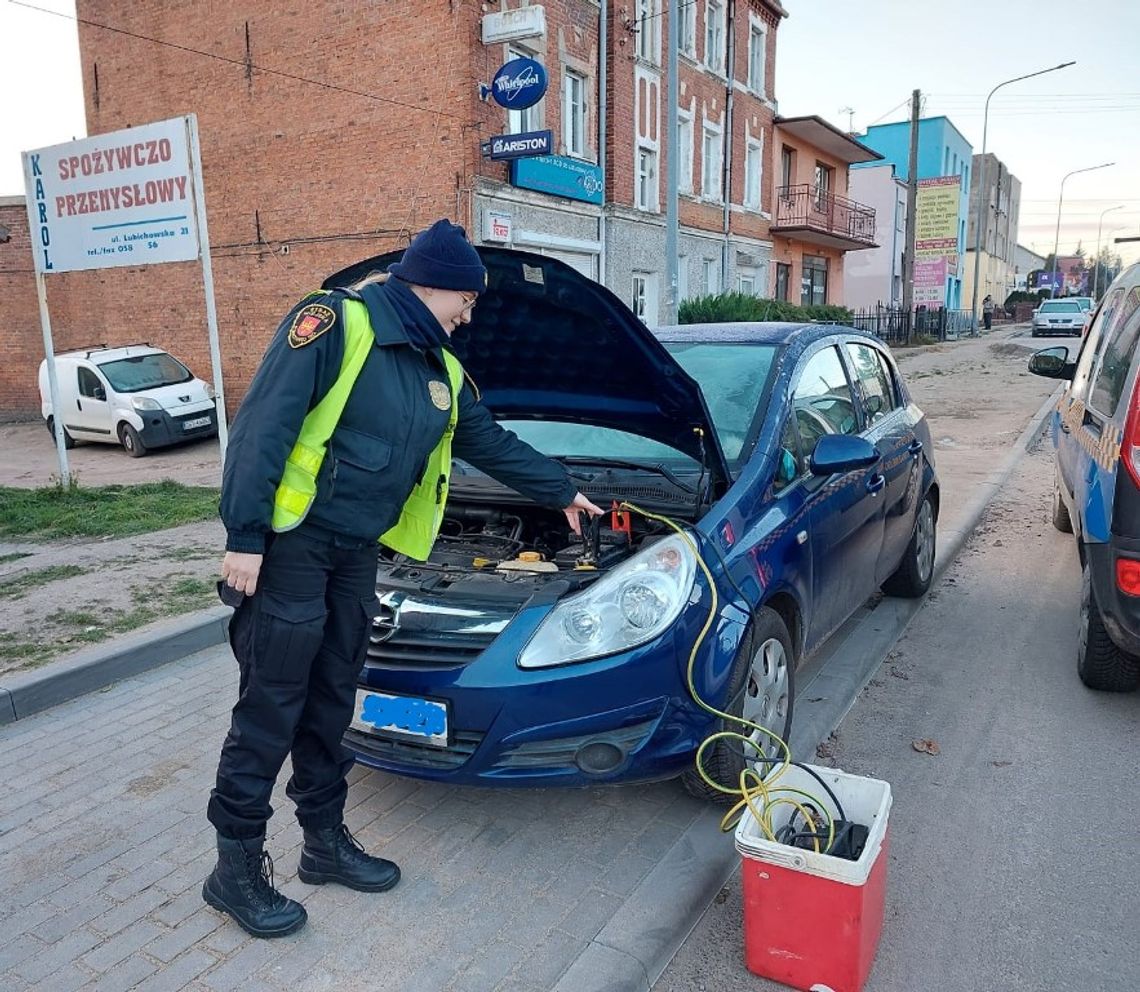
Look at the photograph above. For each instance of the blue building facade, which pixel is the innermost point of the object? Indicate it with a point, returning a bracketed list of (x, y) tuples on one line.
[(942, 151)]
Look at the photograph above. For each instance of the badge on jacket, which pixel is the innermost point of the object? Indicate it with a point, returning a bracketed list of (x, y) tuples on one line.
[(310, 323), (440, 394)]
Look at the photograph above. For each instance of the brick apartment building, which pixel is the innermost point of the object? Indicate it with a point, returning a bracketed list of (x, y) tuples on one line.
[(332, 132)]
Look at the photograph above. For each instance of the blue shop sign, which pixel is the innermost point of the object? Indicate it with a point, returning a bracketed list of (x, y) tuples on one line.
[(519, 84), (560, 176)]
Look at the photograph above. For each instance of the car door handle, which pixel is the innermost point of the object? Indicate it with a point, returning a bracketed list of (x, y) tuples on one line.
[(875, 484), (78, 403), (915, 447)]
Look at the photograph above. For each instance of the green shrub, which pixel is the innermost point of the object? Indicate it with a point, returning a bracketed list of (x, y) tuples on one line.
[(732, 307)]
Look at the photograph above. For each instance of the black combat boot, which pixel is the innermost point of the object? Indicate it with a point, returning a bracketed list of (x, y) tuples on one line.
[(332, 854), (242, 885)]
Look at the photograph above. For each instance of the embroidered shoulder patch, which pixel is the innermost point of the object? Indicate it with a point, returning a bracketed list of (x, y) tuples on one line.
[(310, 323)]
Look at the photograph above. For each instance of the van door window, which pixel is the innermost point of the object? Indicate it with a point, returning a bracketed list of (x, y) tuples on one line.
[(1096, 337), (90, 386), (1116, 356)]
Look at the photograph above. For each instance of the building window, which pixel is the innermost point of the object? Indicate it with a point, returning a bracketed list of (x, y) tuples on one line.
[(531, 118), (714, 35), (787, 166), (823, 182), (753, 169), (646, 179), (757, 41), (644, 296), (637, 304), (783, 280), (711, 178), (682, 278), (685, 151), (746, 284), (710, 273), (648, 26), (813, 282), (687, 32), (574, 113)]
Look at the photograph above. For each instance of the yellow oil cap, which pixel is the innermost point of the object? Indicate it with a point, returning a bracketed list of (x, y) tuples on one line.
[(529, 556), (480, 562)]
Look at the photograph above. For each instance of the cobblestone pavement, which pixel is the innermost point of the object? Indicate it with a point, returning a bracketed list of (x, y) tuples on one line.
[(104, 845)]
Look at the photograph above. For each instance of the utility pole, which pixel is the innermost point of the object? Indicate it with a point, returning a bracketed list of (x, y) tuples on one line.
[(911, 210), (672, 170)]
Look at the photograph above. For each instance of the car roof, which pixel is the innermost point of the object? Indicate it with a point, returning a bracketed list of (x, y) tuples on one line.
[(101, 353), (754, 332)]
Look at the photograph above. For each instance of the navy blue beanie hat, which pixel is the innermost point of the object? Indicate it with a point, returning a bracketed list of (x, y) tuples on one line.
[(443, 258)]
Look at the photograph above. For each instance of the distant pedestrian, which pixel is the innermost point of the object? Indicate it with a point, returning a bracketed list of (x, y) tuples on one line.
[(988, 311), (344, 440)]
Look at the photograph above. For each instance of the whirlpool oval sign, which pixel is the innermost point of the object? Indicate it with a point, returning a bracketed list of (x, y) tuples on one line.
[(519, 84)]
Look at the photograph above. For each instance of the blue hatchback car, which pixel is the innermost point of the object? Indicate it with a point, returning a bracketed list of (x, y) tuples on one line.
[(792, 455)]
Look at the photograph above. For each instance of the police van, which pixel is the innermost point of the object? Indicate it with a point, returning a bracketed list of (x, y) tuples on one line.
[(1096, 491), (136, 396)]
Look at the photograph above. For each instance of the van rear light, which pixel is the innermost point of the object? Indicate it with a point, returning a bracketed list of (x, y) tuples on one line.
[(1128, 576), (1130, 442)]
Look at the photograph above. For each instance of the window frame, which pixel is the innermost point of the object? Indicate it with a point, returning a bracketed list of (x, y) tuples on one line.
[(754, 157), (715, 31), (573, 116), (84, 371), (757, 29), (684, 161), (804, 269), (716, 134), (786, 269), (652, 203), (687, 32), (647, 46)]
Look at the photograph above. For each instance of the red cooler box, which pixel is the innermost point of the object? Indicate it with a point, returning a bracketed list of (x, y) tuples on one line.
[(812, 921)]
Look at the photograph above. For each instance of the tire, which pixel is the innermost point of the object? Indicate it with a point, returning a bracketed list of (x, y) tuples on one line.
[(761, 689), (916, 570), (1061, 519), (131, 442), (1101, 665), (68, 440)]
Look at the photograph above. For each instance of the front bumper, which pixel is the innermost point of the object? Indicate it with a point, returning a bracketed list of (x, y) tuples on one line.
[(160, 429), (627, 717)]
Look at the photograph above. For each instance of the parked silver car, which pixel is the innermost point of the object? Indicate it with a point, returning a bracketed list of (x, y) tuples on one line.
[(1059, 317)]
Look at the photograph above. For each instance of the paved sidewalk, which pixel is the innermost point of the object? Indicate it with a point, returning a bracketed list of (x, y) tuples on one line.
[(104, 846)]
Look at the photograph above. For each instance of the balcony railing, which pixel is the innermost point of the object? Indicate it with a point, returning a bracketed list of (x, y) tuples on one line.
[(834, 220)]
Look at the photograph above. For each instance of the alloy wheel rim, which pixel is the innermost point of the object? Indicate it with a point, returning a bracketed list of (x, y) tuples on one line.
[(924, 551), (766, 695)]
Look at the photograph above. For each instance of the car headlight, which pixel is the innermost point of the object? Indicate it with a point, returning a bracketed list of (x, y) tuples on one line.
[(210, 394), (145, 403), (631, 605)]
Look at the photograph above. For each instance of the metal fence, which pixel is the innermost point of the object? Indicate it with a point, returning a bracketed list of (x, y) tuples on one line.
[(898, 326)]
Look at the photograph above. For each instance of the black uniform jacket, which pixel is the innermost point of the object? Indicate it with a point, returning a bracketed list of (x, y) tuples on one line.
[(379, 449)]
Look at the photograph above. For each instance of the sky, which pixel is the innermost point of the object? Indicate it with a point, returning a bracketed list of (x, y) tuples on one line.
[(852, 62)]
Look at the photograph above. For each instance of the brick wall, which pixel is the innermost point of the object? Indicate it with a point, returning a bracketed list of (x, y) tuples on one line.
[(21, 344)]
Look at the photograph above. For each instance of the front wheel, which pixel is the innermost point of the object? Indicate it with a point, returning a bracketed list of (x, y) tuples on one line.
[(761, 691), (131, 442), (1100, 663), (916, 570)]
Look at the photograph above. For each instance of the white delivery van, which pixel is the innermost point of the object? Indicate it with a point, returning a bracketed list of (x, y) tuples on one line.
[(137, 396)]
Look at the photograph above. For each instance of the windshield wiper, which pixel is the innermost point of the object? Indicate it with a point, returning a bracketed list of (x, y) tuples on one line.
[(622, 463)]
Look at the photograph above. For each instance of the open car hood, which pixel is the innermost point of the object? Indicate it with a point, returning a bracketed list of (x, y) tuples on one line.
[(547, 343)]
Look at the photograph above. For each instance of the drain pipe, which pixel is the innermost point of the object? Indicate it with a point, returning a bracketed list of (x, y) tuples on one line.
[(730, 40), (603, 108)]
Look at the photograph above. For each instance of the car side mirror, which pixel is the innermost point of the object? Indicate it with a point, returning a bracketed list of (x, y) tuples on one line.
[(842, 453), (100, 393), (1052, 363)]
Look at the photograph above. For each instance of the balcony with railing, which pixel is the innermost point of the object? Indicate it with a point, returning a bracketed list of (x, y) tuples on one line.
[(808, 213)]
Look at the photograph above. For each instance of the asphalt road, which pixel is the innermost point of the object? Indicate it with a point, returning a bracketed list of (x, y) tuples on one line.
[(1013, 850)]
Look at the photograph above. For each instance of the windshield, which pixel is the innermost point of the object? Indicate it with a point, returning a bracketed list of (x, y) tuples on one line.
[(1057, 306), (129, 375), (588, 441), (733, 377)]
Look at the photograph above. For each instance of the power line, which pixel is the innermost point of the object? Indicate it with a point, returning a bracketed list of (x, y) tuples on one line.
[(241, 63)]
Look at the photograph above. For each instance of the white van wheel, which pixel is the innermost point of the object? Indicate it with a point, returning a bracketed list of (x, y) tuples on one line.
[(131, 442), (68, 440)]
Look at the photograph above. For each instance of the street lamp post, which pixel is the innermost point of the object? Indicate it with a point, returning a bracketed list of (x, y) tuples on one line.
[(1096, 258), (978, 220), (1057, 236)]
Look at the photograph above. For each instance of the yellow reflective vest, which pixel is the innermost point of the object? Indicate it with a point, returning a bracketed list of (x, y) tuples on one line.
[(422, 513)]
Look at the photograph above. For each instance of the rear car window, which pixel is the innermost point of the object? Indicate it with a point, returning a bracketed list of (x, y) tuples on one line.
[(1116, 359), (1094, 341), (822, 400), (875, 382)]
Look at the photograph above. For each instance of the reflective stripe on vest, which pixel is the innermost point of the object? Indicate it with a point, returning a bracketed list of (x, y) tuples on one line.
[(298, 486)]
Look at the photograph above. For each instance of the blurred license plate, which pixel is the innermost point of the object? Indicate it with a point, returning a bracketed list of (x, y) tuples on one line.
[(189, 425), (407, 718)]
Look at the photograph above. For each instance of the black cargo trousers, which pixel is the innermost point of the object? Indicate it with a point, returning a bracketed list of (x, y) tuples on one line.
[(300, 642)]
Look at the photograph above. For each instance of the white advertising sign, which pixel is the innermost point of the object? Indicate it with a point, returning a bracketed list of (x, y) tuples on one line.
[(124, 198), (510, 25), (498, 227)]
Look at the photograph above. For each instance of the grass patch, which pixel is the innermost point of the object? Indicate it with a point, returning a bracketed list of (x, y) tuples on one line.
[(15, 556), (18, 585), (105, 511)]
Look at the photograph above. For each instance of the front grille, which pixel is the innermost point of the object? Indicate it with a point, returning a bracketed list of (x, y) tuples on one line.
[(424, 650), (463, 745), (560, 753)]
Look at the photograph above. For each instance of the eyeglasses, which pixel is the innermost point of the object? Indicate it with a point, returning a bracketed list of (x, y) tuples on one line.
[(469, 300)]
